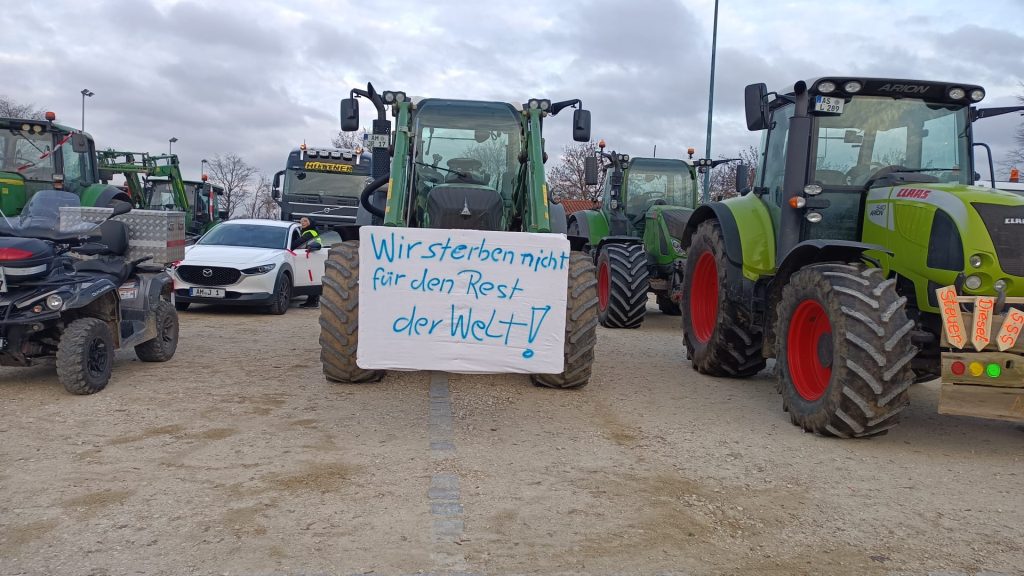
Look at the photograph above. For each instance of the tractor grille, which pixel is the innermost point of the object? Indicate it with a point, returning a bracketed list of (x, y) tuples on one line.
[(209, 275), (1006, 227), (676, 221)]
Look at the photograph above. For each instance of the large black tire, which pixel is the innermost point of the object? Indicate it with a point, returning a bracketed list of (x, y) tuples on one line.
[(844, 350), (580, 326), (161, 348), (718, 335), (622, 284), (181, 306), (339, 316), (85, 356), (668, 307), (282, 295)]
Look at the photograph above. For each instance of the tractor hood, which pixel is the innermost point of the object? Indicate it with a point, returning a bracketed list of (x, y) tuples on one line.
[(675, 218)]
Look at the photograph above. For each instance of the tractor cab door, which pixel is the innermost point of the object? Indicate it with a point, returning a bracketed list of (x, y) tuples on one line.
[(772, 171)]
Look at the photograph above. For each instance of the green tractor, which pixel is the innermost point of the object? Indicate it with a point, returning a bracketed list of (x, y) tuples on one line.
[(155, 183), (495, 157), (43, 155), (635, 236), (863, 206)]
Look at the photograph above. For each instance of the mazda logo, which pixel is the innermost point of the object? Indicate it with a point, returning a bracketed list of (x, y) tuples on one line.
[(207, 272)]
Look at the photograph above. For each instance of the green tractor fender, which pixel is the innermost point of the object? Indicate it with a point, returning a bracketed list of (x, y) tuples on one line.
[(100, 195), (748, 232), (589, 224)]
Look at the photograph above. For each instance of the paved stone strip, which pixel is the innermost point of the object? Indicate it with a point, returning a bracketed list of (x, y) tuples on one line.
[(445, 508)]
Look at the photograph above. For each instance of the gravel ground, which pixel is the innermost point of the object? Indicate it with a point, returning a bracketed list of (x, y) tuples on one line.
[(237, 457)]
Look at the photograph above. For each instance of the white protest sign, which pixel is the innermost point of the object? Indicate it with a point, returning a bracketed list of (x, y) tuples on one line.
[(467, 301)]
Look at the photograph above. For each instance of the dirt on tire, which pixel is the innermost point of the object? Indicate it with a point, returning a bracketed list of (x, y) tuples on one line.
[(339, 317), (73, 362), (580, 326), (161, 348)]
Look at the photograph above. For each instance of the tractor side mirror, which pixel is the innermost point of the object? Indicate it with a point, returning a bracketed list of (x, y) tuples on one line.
[(852, 137), (80, 143), (581, 125), (755, 98), (590, 171), (743, 179), (350, 115), (275, 187)]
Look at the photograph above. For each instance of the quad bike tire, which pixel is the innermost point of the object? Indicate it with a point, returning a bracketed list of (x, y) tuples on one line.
[(622, 284), (339, 317), (282, 295), (719, 336), (580, 326), (163, 347), (844, 350), (181, 306), (85, 356), (668, 307)]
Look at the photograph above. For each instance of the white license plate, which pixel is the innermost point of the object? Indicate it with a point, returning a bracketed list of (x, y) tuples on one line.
[(378, 140), (206, 292), (828, 104)]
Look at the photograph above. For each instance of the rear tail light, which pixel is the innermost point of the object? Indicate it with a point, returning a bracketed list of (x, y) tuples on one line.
[(12, 254)]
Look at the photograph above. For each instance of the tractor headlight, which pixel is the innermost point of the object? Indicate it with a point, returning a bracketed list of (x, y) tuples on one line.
[(826, 87), (259, 269), (957, 93), (976, 261), (812, 189), (973, 282), (977, 94), (1000, 285), (533, 104), (852, 86), (545, 104), (813, 217), (54, 302)]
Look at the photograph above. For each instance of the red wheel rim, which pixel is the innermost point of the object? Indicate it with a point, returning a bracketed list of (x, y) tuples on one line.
[(604, 288), (704, 297), (806, 345)]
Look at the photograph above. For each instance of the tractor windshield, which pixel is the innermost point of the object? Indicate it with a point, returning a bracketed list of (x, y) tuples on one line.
[(161, 196), (28, 153), (875, 135), (647, 184), (467, 142)]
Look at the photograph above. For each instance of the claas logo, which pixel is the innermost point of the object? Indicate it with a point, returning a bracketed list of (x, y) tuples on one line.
[(918, 193)]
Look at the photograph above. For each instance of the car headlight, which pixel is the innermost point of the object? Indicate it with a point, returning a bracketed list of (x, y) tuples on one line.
[(54, 302), (259, 269)]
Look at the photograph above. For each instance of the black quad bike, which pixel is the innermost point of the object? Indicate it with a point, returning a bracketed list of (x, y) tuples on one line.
[(74, 310)]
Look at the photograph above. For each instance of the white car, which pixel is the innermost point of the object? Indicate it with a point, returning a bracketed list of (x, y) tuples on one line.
[(250, 263)]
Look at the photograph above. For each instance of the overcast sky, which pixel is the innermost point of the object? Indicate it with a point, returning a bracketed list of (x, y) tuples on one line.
[(256, 78)]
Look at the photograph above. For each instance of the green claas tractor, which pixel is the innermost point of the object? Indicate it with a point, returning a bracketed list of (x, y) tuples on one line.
[(635, 236), (863, 206), (43, 155), (155, 183), (494, 180)]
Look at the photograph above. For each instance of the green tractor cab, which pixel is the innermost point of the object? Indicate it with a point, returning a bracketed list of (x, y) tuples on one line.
[(863, 207), (635, 236), (456, 164), (43, 155)]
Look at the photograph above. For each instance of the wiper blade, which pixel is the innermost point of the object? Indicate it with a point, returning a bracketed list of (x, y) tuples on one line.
[(926, 170)]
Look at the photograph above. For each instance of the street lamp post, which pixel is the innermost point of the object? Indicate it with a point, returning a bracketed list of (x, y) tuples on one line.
[(89, 93), (711, 103), (170, 145)]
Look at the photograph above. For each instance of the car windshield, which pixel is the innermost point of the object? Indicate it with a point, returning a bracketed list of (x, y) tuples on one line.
[(468, 143), (246, 235), (874, 135), (647, 184), (325, 183), (50, 215), (28, 153)]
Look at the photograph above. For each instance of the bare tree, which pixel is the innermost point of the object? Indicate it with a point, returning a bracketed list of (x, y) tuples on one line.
[(1015, 158), (566, 180), (348, 140), (11, 109), (235, 175), (723, 176), (261, 203)]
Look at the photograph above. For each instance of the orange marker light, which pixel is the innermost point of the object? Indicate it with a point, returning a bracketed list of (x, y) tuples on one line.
[(51, 116), (690, 151), (797, 202), (1014, 175)]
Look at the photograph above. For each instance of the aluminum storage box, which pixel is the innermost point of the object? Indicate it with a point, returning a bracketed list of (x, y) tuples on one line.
[(156, 233)]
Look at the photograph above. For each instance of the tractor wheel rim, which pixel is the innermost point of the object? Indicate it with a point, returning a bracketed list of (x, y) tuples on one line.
[(704, 297), (809, 372), (97, 358), (604, 288)]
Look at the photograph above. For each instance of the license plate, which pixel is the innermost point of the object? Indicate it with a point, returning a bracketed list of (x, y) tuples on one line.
[(206, 292), (828, 104), (3, 281), (378, 140)]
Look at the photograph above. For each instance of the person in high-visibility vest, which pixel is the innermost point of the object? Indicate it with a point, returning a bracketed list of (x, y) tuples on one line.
[(307, 234)]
